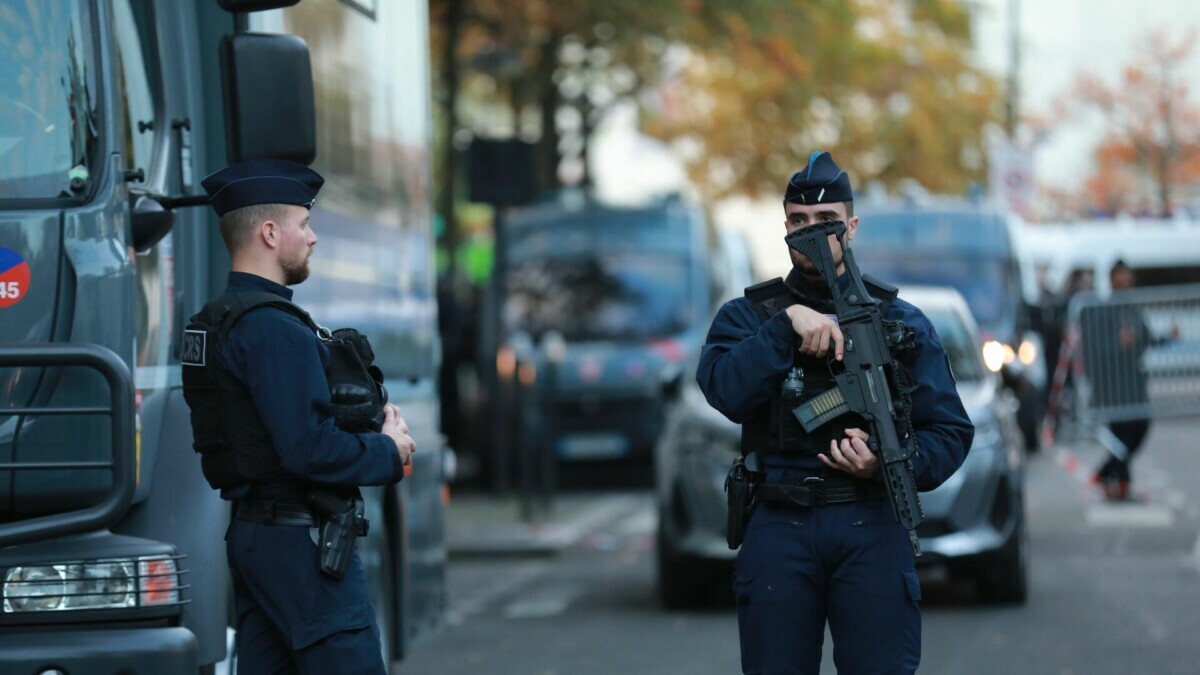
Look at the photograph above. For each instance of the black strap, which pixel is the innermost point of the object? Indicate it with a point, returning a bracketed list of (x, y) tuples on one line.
[(274, 513), (815, 491), (769, 297), (881, 291), (240, 302)]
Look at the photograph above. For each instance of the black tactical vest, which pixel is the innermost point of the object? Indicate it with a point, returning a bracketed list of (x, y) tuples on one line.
[(230, 437), (772, 428)]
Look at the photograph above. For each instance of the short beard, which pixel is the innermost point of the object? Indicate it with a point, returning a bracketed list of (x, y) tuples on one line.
[(295, 273)]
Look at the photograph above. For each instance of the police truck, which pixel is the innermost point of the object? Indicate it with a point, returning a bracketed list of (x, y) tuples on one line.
[(112, 554)]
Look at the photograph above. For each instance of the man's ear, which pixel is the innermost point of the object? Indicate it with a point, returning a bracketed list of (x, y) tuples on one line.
[(851, 228), (268, 232)]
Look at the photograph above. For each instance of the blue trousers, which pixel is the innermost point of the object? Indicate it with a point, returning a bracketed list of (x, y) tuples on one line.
[(290, 617), (850, 565)]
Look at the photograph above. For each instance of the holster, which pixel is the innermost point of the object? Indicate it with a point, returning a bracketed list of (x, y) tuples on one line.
[(342, 519), (740, 486)]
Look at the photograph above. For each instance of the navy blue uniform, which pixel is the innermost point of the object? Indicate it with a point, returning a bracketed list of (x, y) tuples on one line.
[(849, 563), (292, 618)]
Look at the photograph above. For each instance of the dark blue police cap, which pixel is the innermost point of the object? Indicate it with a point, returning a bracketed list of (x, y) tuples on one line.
[(262, 181), (821, 182)]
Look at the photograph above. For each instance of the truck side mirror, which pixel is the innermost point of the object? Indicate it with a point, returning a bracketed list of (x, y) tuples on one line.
[(150, 222), (269, 104), (254, 5)]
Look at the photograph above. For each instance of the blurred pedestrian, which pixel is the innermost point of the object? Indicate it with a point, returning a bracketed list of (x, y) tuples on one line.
[(1115, 336), (832, 550)]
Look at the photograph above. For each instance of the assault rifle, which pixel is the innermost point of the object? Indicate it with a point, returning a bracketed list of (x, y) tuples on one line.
[(868, 382)]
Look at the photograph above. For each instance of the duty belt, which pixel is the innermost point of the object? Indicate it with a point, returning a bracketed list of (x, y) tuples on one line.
[(816, 491), (274, 513)]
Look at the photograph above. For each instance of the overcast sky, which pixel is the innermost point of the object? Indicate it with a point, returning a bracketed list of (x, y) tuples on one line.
[(1061, 38)]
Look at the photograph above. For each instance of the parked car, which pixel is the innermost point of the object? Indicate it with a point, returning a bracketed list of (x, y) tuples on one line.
[(975, 521)]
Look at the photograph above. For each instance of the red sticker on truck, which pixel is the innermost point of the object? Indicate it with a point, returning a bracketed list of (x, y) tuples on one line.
[(14, 277)]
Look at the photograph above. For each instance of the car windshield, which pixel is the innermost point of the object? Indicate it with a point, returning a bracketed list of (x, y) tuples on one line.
[(961, 348), (983, 282), (48, 128), (617, 296)]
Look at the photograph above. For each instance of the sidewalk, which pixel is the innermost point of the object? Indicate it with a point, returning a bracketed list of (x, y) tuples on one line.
[(482, 524)]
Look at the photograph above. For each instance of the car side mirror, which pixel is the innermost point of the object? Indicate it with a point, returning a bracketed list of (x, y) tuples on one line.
[(1010, 378)]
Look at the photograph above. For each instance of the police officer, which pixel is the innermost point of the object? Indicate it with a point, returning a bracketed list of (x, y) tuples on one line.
[(843, 557), (255, 377)]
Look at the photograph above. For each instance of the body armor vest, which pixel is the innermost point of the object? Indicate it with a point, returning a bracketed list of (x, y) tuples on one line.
[(772, 428), (230, 437)]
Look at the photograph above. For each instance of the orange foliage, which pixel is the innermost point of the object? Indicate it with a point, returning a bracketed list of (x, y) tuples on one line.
[(1152, 147)]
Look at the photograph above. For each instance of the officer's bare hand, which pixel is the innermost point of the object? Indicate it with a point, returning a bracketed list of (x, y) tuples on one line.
[(852, 455), (816, 331), (396, 428)]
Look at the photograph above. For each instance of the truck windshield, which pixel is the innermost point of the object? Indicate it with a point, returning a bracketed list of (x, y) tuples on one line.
[(620, 296), (984, 282), (48, 106)]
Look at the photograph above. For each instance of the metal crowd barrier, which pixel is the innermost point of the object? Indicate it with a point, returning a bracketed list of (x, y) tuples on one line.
[(1134, 355)]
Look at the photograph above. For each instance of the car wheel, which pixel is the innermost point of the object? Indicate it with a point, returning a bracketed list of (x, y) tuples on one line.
[(689, 582), (1004, 577)]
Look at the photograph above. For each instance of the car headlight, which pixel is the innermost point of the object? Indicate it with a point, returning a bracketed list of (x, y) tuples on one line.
[(92, 584), (1027, 352), (996, 354)]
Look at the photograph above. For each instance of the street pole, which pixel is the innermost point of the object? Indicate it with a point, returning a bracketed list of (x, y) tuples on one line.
[(1012, 107)]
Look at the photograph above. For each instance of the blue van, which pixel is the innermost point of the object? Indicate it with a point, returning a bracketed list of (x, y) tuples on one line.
[(601, 307), (973, 250)]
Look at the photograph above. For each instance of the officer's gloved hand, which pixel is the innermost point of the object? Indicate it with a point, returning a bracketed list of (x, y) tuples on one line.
[(381, 394), (354, 408)]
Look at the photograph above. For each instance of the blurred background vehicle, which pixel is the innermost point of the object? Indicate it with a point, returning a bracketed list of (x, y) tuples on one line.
[(600, 308), (975, 522), (972, 249), (691, 458)]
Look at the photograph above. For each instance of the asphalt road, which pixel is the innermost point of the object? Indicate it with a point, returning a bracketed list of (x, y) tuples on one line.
[(1115, 590)]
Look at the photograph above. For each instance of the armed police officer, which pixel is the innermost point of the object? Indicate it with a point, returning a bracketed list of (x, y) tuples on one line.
[(822, 542), (289, 419)]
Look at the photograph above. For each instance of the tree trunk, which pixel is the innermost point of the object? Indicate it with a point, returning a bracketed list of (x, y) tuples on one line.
[(547, 155), (449, 159)]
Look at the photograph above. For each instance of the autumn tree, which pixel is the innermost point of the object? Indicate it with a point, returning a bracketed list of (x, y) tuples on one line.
[(1152, 143), (529, 68), (514, 68), (744, 89), (888, 87)]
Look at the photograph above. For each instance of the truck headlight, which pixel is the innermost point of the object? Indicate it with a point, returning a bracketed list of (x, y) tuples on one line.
[(92, 584)]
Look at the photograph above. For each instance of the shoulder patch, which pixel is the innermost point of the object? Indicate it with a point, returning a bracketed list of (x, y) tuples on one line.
[(194, 348), (767, 297)]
